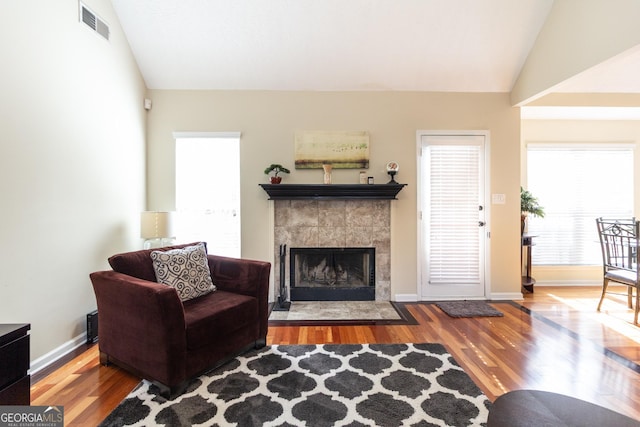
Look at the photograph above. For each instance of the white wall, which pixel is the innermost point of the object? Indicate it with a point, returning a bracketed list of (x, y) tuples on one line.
[(577, 35), (268, 121), (72, 153)]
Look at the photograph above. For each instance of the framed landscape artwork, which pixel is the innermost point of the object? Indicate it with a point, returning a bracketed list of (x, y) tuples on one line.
[(342, 150)]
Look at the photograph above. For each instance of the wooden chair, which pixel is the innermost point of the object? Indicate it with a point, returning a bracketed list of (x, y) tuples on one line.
[(619, 243)]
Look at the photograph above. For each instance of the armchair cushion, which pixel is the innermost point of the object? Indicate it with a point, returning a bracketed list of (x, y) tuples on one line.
[(185, 269), (214, 317)]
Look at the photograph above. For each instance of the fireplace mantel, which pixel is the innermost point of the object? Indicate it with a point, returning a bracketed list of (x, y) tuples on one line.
[(332, 191)]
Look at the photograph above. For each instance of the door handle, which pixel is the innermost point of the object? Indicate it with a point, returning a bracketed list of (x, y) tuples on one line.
[(481, 223)]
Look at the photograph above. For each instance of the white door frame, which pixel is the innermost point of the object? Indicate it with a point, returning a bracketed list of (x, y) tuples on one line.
[(487, 204)]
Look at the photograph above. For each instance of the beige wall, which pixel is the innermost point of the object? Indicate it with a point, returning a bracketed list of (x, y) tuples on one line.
[(268, 121), (71, 163), (72, 160), (613, 131)]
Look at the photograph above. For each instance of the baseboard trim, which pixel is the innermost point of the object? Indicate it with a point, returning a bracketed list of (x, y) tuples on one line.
[(406, 298), (48, 359), (500, 296), (494, 297), (542, 283)]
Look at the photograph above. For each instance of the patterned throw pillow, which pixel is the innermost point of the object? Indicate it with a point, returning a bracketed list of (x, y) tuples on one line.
[(185, 269)]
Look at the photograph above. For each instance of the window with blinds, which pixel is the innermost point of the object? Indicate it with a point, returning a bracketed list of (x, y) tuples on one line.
[(208, 190), (453, 247), (575, 184)]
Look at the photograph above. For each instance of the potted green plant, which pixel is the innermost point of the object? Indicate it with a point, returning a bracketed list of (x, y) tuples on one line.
[(276, 169), (529, 205)]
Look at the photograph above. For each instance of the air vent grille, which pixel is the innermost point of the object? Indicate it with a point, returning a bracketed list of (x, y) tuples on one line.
[(102, 29), (88, 17), (93, 21)]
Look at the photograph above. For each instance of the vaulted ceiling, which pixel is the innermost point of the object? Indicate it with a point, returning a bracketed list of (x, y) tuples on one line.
[(348, 45)]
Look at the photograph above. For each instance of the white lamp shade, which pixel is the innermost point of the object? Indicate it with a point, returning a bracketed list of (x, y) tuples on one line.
[(156, 225)]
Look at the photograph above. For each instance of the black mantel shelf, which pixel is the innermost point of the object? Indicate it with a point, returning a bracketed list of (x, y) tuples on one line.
[(332, 191)]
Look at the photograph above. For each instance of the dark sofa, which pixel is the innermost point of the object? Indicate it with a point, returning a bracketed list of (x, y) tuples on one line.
[(144, 327)]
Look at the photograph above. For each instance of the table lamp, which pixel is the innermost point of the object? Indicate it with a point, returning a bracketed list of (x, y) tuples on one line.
[(157, 229)]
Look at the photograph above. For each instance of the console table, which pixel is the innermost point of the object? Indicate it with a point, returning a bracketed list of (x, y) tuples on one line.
[(15, 382), (527, 245)]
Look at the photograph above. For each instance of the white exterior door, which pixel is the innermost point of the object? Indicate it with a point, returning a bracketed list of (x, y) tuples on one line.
[(453, 212)]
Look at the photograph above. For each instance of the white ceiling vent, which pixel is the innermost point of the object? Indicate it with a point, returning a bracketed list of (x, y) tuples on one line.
[(93, 21)]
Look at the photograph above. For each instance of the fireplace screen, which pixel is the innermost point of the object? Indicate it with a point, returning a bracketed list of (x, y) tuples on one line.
[(332, 274)]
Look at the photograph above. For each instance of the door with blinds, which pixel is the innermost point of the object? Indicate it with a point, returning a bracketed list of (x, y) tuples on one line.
[(453, 211)]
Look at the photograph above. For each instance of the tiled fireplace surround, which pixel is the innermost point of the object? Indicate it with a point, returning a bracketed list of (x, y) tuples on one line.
[(336, 223)]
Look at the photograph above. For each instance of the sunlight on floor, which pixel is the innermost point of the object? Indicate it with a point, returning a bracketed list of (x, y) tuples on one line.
[(614, 313)]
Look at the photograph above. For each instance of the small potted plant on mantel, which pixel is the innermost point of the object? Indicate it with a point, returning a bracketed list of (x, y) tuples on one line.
[(528, 205), (276, 169)]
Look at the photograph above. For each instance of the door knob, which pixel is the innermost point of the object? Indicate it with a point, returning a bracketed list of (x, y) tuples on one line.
[(481, 223)]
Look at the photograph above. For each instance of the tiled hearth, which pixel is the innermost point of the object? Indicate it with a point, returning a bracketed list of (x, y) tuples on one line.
[(338, 310), (336, 223)]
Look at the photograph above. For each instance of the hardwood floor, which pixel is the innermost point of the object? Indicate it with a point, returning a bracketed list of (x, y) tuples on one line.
[(554, 340)]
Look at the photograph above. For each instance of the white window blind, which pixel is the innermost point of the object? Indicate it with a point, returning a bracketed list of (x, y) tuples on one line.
[(576, 184), (208, 190), (453, 243)]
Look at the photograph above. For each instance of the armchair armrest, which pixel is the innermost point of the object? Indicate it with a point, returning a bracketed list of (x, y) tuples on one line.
[(141, 323), (239, 275), (244, 276)]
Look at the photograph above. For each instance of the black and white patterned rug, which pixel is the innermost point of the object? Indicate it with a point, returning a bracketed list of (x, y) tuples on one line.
[(319, 385)]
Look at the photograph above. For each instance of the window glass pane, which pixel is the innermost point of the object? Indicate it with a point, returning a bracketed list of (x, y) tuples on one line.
[(575, 185), (208, 193), (452, 212)]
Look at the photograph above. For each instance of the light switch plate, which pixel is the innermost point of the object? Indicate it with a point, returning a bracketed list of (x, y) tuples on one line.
[(498, 199)]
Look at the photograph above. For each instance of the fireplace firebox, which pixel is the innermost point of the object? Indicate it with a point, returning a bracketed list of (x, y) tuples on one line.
[(332, 274)]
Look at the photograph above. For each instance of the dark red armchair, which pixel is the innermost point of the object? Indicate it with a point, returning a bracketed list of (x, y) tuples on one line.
[(144, 327)]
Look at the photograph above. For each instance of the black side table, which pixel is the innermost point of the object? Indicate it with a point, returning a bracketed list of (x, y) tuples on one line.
[(15, 382)]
